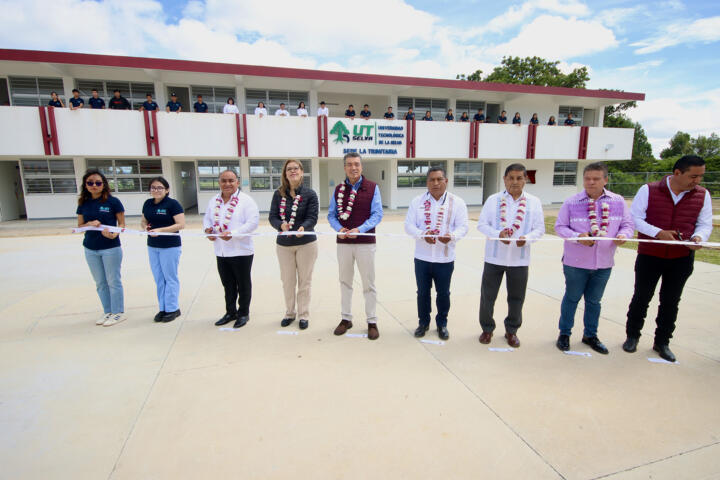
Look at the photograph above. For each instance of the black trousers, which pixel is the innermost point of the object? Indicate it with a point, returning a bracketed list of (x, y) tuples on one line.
[(648, 271), (516, 280), (235, 277)]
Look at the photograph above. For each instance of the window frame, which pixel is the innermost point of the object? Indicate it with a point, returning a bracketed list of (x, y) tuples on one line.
[(291, 99), (213, 177), (417, 179), (468, 175), (563, 171), (274, 177), (47, 175), (41, 98), (136, 96), (115, 178)]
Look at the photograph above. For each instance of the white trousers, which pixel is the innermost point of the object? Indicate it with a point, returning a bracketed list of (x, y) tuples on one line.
[(364, 256)]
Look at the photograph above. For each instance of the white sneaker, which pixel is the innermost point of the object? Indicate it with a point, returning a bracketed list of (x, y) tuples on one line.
[(103, 319), (114, 318)]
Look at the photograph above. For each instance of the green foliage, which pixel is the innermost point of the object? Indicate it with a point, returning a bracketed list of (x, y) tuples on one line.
[(531, 71), (679, 146), (642, 158)]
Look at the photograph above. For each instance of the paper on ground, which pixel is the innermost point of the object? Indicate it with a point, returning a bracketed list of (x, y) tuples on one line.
[(228, 329), (660, 360), (286, 332), (499, 349), (579, 354), (434, 342), (356, 335)]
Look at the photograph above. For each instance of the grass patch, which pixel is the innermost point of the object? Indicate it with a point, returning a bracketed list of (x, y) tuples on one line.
[(703, 255)]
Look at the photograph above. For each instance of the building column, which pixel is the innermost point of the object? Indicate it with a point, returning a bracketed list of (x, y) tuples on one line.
[(160, 94), (312, 105), (68, 85), (392, 178)]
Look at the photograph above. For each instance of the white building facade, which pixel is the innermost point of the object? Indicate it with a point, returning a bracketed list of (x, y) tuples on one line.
[(45, 151)]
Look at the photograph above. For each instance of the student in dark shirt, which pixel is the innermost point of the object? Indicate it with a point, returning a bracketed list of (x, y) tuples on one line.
[(365, 112), (516, 119), (449, 117), (294, 207), (464, 117), (55, 100), (95, 101), (502, 118), (97, 207), (551, 121), (118, 102), (410, 115), (164, 214), (389, 115), (350, 112), (427, 117), (200, 106), (569, 120), (149, 104), (534, 120), (173, 105), (76, 102), (479, 116)]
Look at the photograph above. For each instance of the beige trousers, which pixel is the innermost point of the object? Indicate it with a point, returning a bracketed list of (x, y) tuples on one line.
[(296, 269), (364, 256)]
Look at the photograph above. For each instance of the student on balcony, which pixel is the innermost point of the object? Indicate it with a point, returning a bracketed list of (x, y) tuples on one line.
[(569, 120), (95, 101), (230, 106), (389, 115), (173, 105), (464, 117), (350, 112), (76, 102), (301, 110), (323, 111), (149, 104), (427, 117), (260, 110), (449, 117), (282, 111), (118, 102), (410, 115), (534, 120), (516, 119), (502, 118), (479, 116), (365, 112), (55, 100), (200, 106), (552, 120)]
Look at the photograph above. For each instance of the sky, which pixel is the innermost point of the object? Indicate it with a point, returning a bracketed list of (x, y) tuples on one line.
[(669, 50)]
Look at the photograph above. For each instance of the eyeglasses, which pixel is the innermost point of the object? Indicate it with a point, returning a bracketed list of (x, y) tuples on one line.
[(293, 169), (157, 189), (97, 184)]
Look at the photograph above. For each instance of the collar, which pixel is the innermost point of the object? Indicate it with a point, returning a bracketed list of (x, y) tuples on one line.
[(235, 194), (442, 199), (505, 192), (356, 186), (603, 194), (667, 182)]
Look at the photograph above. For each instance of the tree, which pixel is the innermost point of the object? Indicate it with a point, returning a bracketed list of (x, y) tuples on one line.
[(679, 145), (531, 71), (707, 147), (642, 158)]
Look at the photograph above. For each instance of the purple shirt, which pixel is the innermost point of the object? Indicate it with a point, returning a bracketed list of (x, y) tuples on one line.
[(573, 220)]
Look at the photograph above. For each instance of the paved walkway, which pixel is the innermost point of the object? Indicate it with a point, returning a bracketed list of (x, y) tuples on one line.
[(185, 400)]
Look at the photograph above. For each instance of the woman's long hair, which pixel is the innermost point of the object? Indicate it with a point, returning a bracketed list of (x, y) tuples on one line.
[(85, 194), (285, 186)]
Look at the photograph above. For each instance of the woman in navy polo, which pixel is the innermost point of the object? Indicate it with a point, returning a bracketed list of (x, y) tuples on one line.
[(552, 120), (55, 100), (96, 207), (449, 117), (464, 117), (516, 119), (162, 214), (534, 120)]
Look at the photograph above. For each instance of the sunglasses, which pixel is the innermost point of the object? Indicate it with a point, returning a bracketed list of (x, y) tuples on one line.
[(97, 184)]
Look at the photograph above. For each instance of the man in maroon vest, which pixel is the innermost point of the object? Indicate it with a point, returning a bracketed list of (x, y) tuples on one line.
[(356, 207), (674, 208)]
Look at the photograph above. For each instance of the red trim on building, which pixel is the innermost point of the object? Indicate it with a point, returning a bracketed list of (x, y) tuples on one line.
[(297, 73), (322, 133), (151, 132), (582, 148), (474, 136), (242, 137), (532, 137), (156, 138), (48, 127), (410, 139), (44, 130)]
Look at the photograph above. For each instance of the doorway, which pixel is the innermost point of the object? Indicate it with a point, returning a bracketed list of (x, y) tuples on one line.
[(12, 200), (493, 112), (490, 179), (4, 95), (185, 184), (589, 119), (183, 95)]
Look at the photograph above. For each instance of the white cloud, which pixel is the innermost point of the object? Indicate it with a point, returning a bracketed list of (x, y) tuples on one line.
[(642, 66), (615, 17), (554, 37), (704, 30)]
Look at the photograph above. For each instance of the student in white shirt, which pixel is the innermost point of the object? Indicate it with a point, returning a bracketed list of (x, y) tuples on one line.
[(282, 111), (435, 212), (301, 110), (234, 254), (323, 110), (260, 110), (511, 213), (230, 106)]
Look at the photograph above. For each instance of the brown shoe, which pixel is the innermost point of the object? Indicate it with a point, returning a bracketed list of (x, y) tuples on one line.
[(486, 337), (512, 340), (343, 327), (373, 333)]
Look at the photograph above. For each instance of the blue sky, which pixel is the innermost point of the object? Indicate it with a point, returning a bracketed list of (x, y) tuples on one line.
[(666, 49)]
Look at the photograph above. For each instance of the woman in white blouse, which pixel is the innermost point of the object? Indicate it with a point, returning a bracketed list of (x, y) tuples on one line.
[(230, 106), (301, 110), (260, 110)]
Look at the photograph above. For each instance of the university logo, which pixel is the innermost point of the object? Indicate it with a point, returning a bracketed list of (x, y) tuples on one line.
[(341, 131)]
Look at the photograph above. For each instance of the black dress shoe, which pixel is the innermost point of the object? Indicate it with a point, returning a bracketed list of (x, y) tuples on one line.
[(596, 344), (563, 343), (664, 352), (443, 333), (241, 321), (286, 321), (159, 315), (631, 344), (420, 331), (170, 316), (227, 318), (303, 324)]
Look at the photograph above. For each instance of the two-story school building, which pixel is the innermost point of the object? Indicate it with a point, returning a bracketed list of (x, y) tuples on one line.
[(45, 151)]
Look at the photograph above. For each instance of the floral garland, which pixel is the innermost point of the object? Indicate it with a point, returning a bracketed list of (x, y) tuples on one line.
[(596, 231), (345, 214), (217, 226), (294, 208), (439, 220), (519, 217)]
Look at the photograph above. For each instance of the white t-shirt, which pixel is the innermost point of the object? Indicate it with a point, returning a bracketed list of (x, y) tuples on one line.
[(323, 111), (282, 113), (230, 108), (260, 111), (302, 112)]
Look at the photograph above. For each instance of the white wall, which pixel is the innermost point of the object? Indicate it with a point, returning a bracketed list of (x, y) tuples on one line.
[(111, 133), (20, 132), (610, 143), (373, 170), (196, 135), (442, 140), (282, 137), (501, 141), (557, 142), (544, 188)]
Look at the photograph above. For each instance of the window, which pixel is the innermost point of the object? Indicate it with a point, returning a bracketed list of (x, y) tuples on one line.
[(437, 106), (215, 97), (266, 175), (127, 175), (272, 100), (134, 92), (35, 91), (49, 176), (469, 106), (565, 173), (468, 174), (413, 174), (577, 113), (210, 170)]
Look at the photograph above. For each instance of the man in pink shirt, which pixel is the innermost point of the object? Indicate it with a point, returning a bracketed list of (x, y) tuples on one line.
[(594, 212)]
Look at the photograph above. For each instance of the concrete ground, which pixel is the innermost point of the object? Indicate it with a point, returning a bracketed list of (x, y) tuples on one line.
[(141, 400)]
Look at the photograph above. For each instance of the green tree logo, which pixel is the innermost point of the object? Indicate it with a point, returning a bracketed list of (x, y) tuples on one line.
[(341, 131)]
